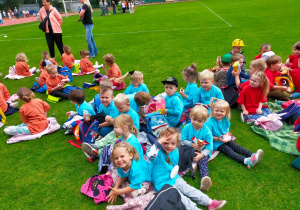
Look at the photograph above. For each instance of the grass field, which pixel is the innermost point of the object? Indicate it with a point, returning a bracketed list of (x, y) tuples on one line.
[(159, 40)]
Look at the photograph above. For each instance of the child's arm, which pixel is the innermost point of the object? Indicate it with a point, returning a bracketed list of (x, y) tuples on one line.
[(105, 124), (109, 119), (259, 111), (236, 77), (182, 93), (245, 112), (113, 194), (104, 67), (153, 151)]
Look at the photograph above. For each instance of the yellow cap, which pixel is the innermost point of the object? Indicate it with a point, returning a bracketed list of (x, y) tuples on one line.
[(238, 43)]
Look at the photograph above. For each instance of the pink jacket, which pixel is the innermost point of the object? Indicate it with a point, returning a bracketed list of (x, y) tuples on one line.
[(55, 19)]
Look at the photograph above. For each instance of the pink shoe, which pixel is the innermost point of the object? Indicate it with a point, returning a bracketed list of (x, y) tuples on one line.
[(216, 204)]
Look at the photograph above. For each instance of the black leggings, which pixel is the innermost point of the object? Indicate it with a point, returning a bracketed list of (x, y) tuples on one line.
[(231, 149), (57, 38), (60, 93)]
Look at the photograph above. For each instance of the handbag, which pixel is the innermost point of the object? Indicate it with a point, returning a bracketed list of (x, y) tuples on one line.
[(43, 24)]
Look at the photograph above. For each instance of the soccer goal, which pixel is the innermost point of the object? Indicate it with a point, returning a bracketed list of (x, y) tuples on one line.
[(71, 5)]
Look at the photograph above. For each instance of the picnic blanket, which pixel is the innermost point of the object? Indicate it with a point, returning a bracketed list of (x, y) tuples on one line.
[(85, 73), (13, 75), (52, 127)]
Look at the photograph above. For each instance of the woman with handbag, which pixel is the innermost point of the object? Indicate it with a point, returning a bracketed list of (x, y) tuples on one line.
[(86, 16), (53, 32)]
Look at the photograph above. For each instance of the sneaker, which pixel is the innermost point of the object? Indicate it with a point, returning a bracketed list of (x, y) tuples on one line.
[(243, 118), (258, 155), (91, 149), (250, 161), (205, 183), (14, 104), (69, 131), (89, 157), (216, 204)]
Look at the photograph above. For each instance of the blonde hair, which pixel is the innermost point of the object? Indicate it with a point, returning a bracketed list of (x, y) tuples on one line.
[(259, 64), (129, 148), (171, 131), (21, 57), (199, 112), (67, 49), (235, 57), (50, 67), (274, 59), (105, 83), (265, 46), (192, 72), (25, 94), (126, 120), (263, 80), (45, 55), (105, 90), (121, 98), (87, 2), (109, 58), (206, 74), (134, 76), (222, 103)]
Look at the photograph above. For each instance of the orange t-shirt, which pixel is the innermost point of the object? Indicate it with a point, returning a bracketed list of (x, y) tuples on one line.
[(114, 71), (4, 92), (3, 104), (22, 69), (33, 113), (53, 82), (43, 77), (50, 59), (86, 65), (68, 60)]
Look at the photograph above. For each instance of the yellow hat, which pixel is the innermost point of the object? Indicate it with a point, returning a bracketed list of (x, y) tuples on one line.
[(238, 43)]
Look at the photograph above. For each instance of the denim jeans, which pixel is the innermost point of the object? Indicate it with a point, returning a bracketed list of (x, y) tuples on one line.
[(90, 40), (265, 112)]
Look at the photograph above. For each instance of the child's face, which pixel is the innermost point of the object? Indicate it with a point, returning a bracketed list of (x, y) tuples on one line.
[(170, 89), (276, 67), (119, 130), (122, 158), (106, 98), (264, 50), (137, 82), (297, 52), (197, 123), (206, 84), (219, 112), (171, 144), (122, 107), (53, 73), (254, 81), (251, 69), (108, 64), (241, 62), (236, 49)]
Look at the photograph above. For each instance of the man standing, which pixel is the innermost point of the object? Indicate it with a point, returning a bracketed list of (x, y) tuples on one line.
[(16, 12)]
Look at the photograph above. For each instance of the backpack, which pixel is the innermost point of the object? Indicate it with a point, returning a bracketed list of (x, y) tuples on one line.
[(231, 95), (186, 155), (69, 88), (155, 105), (97, 187), (289, 111), (65, 71), (271, 123), (167, 198), (156, 122), (88, 132), (97, 101), (104, 159)]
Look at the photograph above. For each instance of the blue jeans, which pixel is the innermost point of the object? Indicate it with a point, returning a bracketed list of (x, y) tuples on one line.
[(265, 112), (90, 40), (114, 11)]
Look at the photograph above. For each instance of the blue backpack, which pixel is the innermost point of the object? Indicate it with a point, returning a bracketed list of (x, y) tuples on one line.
[(65, 71), (156, 122), (97, 101), (88, 132), (104, 159), (69, 88)]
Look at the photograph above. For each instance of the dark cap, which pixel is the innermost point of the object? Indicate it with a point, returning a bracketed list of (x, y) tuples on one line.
[(171, 80)]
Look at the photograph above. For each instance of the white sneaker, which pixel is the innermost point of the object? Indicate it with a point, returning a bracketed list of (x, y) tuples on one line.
[(14, 104), (205, 183), (69, 131)]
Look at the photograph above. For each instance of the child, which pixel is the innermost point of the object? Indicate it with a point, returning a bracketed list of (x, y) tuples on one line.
[(254, 95), (295, 74), (114, 70), (138, 101), (263, 48), (122, 104), (129, 165), (189, 136), (207, 89), (85, 64), (292, 61), (174, 105), (190, 75), (67, 58), (220, 76), (164, 156), (219, 124), (21, 66), (46, 60), (137, 82), (5, 95), (237, 45), (55, 82), (3, 104), (32, 114)]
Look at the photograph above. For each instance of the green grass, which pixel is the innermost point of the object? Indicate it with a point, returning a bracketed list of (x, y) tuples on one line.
[(159, 40)]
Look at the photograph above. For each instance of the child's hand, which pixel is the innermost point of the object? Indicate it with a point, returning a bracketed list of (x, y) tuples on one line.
[(198, 157), (68, 114), (181, 91), (245, 112), (195, 146), (235, 74), (109, 119), (164, 139), (113, 194), (59, 86), (221, 139), (258, 111)]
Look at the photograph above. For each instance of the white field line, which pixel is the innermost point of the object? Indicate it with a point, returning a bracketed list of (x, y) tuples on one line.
[(216, 14)]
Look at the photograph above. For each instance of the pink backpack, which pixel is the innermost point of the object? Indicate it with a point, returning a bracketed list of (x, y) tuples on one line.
[(155, 106), (271, 122), (98, 187)]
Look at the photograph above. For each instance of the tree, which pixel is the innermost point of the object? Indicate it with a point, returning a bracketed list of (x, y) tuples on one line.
[(11, 4)]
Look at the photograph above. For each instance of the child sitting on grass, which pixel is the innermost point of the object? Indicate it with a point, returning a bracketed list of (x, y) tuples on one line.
[(220, 76), (67, 58), (263, 48), (22, 69), (5, 94), (114, 70), (138, 101), (46, 60), (292, 61), (137, 82), (237, 46), (32, 114), (85, 64)]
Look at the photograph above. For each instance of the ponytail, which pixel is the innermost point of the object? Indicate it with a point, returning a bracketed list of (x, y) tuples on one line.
[(192, 72)]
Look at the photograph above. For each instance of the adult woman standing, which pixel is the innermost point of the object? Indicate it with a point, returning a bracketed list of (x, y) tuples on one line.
[(86, 16), (53, 31)]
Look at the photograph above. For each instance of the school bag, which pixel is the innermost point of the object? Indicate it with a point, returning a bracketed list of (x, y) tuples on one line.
[(289, 111), (167, 198), (271, 122), (156, 122), (65, 71), (104, 159), (88, 132), (231, 95), (186, 155), (97, 187), (155, 105), (69, 88)]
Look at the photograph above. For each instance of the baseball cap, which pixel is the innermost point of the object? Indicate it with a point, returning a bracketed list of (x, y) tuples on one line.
[(226, 58), (266, 55), (238, 43), (171, 80)]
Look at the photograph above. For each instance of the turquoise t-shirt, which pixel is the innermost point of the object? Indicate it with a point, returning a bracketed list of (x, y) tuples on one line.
[(135, 117), (138, 173), (131, 89), (84, 106), (190, 91), (174, 106), (188, 132), (218, 128), (110, 110), (133, 141), (202, 96), (133, 104)]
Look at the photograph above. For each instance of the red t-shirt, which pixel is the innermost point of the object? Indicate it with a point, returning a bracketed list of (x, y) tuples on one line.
[(43, 77), (258, 57), (293, 61), (4, 92), (53, 82), (68, 60), (86, 65), (271, 75), (295, 74), (114, 71), (244, 84), (22, 69), (251, 97), (3, 104)]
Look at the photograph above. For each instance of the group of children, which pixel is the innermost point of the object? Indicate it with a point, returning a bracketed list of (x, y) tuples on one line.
[(207, 129)]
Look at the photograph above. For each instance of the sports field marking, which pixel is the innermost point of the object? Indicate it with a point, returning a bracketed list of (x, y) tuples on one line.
[(129, 32), (20, 26), (216, 14)]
